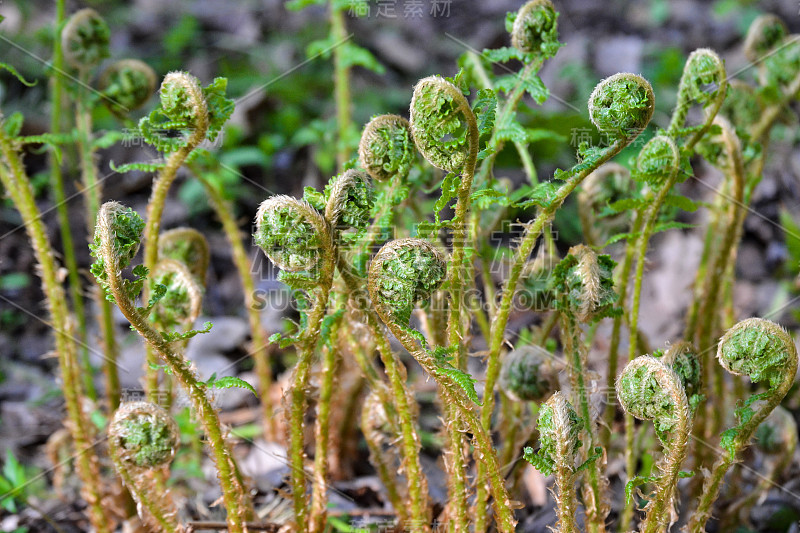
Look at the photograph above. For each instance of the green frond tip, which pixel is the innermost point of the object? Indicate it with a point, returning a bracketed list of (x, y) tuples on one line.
[(349, 200), (585, 282), (144, 435), (220, 107), (440, 117), (539, 461), (180, 303), (658, 161), (649, 390), (187, 246), (682, 358), (704, 77), (403, 272), (622, 104), (127, 85), (85, 39), (16, 74), (117, 235), (535, 29), (226, 382), (526, 374), (386, 148), (765, 33), (295, 237), (760, 349), (560, 428)]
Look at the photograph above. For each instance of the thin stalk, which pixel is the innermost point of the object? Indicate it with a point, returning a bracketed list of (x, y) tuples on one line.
[(233, 492), (17, 185), (92, 194), (613, 349), (709, 312), (417, 483), (648, 224), (319, 498), (300, 381), (341, 84), (593, 490), (155, 208), (260, 345), (60, 200)]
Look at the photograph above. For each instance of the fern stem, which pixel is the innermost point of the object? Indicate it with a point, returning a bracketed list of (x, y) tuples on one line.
[(341, 84), (233, 493), (319, 498), (17, 184), (417, 483)]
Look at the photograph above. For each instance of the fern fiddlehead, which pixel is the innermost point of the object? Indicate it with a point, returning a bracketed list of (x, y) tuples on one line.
[(195, 113), (298, 240), (403, 272), (649, 389), (18, 187), (118, 233), (763, 351), (584, 285), (559, 437), (85, 39), (127, 85), (143, 439)]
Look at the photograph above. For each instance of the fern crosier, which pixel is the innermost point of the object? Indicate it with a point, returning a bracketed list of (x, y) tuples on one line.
[(765, 33), (622, 104), (350, 202), (85, 39), (145, 435), (404, 272), (181, 304), (658, 162), (188, 246), (386, 148), (142, 440), (650, 390), (127, 85), (294, 236), (763, 351), (683, 359), (535, 29), (560, 428), (527, 375), (584, 281), (440, 123)]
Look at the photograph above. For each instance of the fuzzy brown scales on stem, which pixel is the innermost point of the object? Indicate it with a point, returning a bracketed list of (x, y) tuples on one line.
[(299, 241), (649, 389), (118, 232)]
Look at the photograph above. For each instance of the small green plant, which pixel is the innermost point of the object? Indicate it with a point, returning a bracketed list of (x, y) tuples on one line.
[(400, 247)]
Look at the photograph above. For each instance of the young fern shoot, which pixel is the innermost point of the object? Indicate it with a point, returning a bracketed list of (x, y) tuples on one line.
[(118, 233), (764, 351), (560, 429), (649, 389), (299, 241), (143, 440)]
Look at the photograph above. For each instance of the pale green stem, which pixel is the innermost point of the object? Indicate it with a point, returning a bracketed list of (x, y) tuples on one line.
[(92, 194), (155, 208), (17, 185), (417, 483), (341, 81), (233, 492), (60, 199), (613, 349), (648, 224), (593, 493), (319, 496)]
